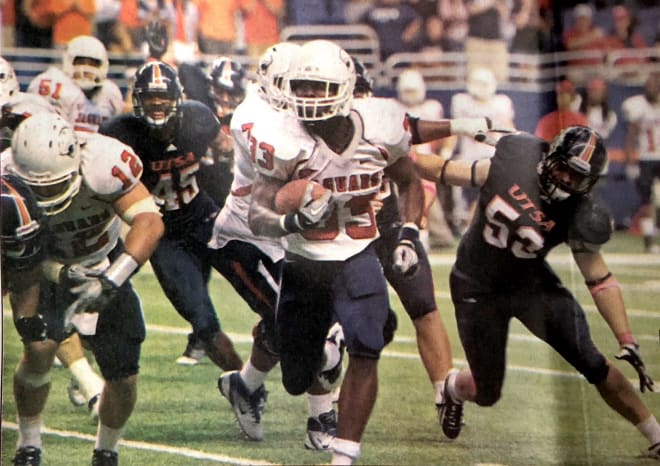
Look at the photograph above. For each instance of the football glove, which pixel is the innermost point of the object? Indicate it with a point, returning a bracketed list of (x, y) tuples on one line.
[(311, 211), (75, 275), (630, 353), (471, 127), (404, 259)]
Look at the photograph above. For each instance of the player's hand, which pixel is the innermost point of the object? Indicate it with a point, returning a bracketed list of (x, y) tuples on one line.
[(630, 353), (313, 211), (632, 171), (471, 127), (74, 275), (404, 258), (93, 294)]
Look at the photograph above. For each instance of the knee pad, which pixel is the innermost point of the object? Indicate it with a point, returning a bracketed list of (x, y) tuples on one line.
[(597, 374), (30, 379)]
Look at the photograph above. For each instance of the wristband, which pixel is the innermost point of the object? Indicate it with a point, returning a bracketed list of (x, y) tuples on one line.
[(121, 269), (409, 232), (289, 223), (51, 270), (442, 172)]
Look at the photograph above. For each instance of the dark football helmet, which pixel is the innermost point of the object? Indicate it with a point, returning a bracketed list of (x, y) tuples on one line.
[(21, 225), (577, 158), (157, 94), (364, 84), (228, 81)]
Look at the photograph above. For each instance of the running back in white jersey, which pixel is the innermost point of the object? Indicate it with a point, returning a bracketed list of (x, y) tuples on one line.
[(105, 103), (87, 230), (637, 109), (61, 91), (355, 177), (499, 109), (232, 222)]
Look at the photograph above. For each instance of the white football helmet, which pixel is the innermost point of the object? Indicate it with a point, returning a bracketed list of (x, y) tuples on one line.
[(8, 82), (481, 83), (410, 87), (271, 71), (46, 155), (329, 70), (87, 76)]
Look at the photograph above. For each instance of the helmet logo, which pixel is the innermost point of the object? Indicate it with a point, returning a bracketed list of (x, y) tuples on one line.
[(157, 79), (67, 148)]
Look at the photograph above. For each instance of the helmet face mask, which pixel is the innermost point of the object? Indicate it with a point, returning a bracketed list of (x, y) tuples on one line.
[(320, 82), (85, 60), (46, 156), (157, 94), (576, 160)]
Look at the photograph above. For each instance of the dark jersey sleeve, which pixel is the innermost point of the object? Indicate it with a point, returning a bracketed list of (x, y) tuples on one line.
[(199, 126), (196, 85)]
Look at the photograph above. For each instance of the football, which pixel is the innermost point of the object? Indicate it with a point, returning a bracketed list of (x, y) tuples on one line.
[(289, 197)]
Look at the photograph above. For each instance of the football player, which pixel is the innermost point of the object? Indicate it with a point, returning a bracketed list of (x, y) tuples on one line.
[(170, 137), (86, 385), (252, 265), (535, 196), (8, 81), (331, 269), (642, 116), (85, 183)]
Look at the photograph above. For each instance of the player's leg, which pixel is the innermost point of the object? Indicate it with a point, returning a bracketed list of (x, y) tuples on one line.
[(178, 269), (648, 171), (361, 304), (116, 346), (86, 385), (565, 328)]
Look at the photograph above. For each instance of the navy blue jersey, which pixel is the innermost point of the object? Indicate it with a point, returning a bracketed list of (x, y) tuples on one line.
[(514, 229), (171, 168)]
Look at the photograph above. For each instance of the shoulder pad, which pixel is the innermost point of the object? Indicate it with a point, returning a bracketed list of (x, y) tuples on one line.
[(109, 167), (591, 224), (384, 120)]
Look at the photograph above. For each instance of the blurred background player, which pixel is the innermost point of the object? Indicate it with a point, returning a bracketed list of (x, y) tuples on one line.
[(642, 148), (535, 196), (411, 93), (171, 137), (481, 99), (566, 114), (86, 182)]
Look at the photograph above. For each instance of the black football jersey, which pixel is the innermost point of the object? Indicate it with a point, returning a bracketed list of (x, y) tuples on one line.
[(513, 229)]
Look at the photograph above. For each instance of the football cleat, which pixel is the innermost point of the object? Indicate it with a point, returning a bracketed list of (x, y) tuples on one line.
[(321, 431), (654, 451), (248, 407), (76, 397), (193, 353), (93, 406), (331, 378), (450, 413), (105, 458), (27, 456)]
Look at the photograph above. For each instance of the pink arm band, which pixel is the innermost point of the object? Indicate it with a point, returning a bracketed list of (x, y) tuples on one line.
[(609, 282)]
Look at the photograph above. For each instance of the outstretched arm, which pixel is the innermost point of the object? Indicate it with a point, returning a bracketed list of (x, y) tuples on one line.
[(453, 172)]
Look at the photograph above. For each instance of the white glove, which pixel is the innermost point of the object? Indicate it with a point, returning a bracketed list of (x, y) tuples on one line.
[(630, 353), (470, 127), (404, 257), (311, 211)]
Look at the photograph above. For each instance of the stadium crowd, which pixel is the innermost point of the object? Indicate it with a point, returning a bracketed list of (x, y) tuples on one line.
[(193, 168)]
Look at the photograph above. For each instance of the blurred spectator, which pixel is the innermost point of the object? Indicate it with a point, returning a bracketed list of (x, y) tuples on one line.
[(397, 25), (262, 18), (8, 13), (642, 149), (33, 24), (625, 36), (486, 45), (107, 14), (71, 18), (134, 17), (532, 32), (584, 36), (455, 26), (551, 124), (411, 93), (432, 35), (185, 30), (218, 25), (595, 106), (480, 100)]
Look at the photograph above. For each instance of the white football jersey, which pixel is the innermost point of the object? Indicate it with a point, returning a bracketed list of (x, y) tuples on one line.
[(87, 230), (355, 176), (499, 109), (232, 222), (105, 103), (637, 109), (61, 91)]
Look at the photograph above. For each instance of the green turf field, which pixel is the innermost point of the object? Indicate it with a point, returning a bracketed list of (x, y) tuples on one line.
[(548, 415)]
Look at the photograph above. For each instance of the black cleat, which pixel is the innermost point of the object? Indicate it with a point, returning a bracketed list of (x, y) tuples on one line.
[(105, 458), (450, 414), (27, 456)]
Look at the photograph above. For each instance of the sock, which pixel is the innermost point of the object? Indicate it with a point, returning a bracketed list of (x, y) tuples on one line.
[(332, 356), (319, 404), (89, 381), (252, 377), (344, 451), (451, 385), (107, 438), (650, 429), (29, 431), (439, 387)]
